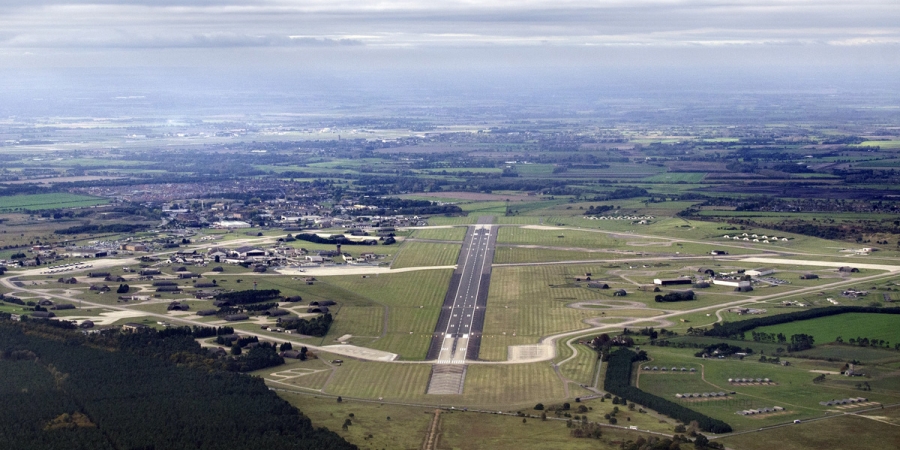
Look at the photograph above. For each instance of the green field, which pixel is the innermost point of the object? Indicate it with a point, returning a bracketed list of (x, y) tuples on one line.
[(411, 302), (390, 426), (418, 254), (441, 234), (836, 432), (37, 202), (512, 255), (523, 306), (677, 177), (794, 389), (379, 425), (583, 367), (892, 145), (556, 238), (455, 220), (847, 326)]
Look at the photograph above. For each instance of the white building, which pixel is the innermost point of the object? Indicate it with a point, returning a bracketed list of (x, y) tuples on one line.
[(732, 283), (231, 224), (760, 272)]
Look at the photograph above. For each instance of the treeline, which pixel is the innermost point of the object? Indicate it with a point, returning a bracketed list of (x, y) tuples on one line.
[(251, 296), (317, 326), (722, 349), (737, 329), (392, 205), (66, 396), (110, 228), (618, 382), (599, 209), (860, 341), (677, 296), (622, 193), (334, 240), (203, 332)]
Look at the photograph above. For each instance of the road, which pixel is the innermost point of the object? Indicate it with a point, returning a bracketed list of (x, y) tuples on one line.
[(457, 335)]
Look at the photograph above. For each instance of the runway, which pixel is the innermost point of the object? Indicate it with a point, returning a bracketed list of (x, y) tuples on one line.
[(457, 335)]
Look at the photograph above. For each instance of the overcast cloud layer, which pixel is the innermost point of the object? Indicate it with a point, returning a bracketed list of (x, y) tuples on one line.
[(789, 41), (58, 30)]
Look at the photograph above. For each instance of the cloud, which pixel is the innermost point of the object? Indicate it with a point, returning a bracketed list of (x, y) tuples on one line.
[(181, 23), (137, 40), (355, 27)]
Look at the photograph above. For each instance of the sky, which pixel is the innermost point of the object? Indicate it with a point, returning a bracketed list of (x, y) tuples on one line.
[(767, 45)]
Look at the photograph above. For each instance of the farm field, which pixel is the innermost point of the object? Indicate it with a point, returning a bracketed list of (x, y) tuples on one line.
[(418, 254), (38, 202), (847, 326), (837, 432), (678, 177)]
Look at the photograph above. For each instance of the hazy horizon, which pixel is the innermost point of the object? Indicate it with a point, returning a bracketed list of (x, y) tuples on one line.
[(281, 56)]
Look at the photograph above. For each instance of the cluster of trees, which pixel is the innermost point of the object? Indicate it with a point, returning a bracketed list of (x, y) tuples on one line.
[(257, 357), (249, 296), (71, 378), (178, 344), (737, 329), (649, 332), (866, 342), (585, 429), (259, 307), (800, 342), (11, 299), (618, 382), (658, 443), (602, 344), (775, 360), (317, 326), (676, 296), (722, 349), (335, 239), (622, 193), (393, 205), (205, 332), (599, 209), (108, 228), (760, 336)]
